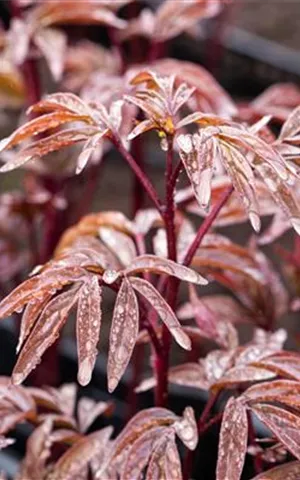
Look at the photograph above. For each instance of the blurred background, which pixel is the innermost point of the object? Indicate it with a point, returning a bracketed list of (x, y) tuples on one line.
[(251, 45)]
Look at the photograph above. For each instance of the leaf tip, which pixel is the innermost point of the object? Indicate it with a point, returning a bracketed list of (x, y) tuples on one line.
[(112, 384), (7, 167), (255, 221), (85, 372), (17, 378), (182, 338), (20, 343), (296, 224)]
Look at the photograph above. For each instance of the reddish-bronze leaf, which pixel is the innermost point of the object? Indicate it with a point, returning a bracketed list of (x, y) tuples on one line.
[(89, 253), (44, 333), (16, 405), (172, 463), (142, 436), (281, 191), (37, 288), (90, 147), (143, 421), (64, 435), (145, 220), (228, 259), (159, 100), (75, 13), (39, 125), (282, 423), (292, 125), (17, 396), (120, 243), (16, 52), (59, 421), (167, 24), (188, 374), (216, 364), (283, 391), (252, 353), (53, 45), (165, 461), (209, 95), (140, 452), (10, 418), (271, 340), (80, 454), (229, 144), (203, 316), (65, 398), (37, 451), (123, 333), (289, 471), (242, 374), (222, 306), (186, 429), (82, 59), (277, 100), (89, 226), (47, 145), (29, 317), (61, 102), (154, 264), (88, 324), (44, 399), (163, 309), (5, 442), (233, 441), (88, 410), (284, 364), (279, 225), (199, 172)]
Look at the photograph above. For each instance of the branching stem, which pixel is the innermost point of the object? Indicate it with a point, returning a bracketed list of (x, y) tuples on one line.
[(162, 358), (143, 178), (206, 225)]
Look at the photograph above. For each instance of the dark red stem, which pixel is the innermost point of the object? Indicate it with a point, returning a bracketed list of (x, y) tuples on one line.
[(216, 419), (137, 188), (205, 226), (162, 357), (157, 50), (88, 192), (32, 80), (170, 206), (142, 177), (175, 174)]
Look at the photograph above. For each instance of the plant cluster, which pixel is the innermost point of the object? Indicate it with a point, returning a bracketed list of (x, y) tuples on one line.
[(225, 163)]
